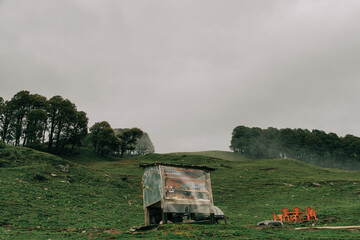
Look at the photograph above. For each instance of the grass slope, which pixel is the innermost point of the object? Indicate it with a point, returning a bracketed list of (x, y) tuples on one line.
[(225, 155), (102, 197), (45, 192)]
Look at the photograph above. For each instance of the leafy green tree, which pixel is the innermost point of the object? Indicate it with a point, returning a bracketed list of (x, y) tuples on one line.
[(21, 105), (53, 109), (333, 143), (316, 147), (2, 105), (103, 138), (6, 118), (79, 130), (240, 142), (128, 139), (95, 132), (107, 142), (2, 115), (28, 117), (36, 120), (143, 144), (62, 114), (271, 141), (67, 116), (352, 147)]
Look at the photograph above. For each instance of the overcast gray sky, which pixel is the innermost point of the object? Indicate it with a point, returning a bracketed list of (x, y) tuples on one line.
[(188, 72)]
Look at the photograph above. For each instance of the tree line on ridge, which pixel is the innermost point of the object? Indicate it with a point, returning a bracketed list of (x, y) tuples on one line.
[(55, 125), (316, 146), (31, 120)]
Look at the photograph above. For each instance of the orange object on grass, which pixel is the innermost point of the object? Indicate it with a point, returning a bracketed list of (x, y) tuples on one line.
[(297, 215), (307, 216), (277, 217), (313, 214), (285, 214)]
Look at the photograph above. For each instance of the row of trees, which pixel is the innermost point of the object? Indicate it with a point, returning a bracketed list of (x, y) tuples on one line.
[(105, 140), (316, 146), (33, 120), (56, 126)]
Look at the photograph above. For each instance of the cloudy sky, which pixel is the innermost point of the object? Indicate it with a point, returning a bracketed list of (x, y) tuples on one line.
[(188, 72)]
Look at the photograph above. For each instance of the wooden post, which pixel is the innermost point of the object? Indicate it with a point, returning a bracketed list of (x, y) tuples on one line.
[(163, 216), (163, 202), (212, 210), (147, 216), (146, 210)]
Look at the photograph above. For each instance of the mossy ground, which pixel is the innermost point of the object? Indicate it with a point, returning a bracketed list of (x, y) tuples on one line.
[(102, 197)]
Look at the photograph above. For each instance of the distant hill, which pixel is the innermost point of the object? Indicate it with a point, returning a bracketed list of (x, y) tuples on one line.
[(226, 155), (86, 196)]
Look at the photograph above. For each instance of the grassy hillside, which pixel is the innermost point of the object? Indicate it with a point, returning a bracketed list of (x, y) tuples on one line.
[(225, 155), (41, 191), (83, 197)]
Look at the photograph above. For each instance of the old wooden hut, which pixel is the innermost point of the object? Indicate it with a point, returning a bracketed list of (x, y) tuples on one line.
[(173, 191)]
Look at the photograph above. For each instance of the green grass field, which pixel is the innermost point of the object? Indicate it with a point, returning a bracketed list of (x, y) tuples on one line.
[(89, 197), (223, 155)]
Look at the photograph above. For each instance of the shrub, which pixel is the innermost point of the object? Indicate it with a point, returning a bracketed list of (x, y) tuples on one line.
[(39, 177)]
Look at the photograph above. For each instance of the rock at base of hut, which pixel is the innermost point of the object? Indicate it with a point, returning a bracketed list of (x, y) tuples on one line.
[(270, 222)]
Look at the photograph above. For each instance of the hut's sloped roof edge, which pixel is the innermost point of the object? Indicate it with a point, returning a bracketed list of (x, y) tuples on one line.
[(144, 165)]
